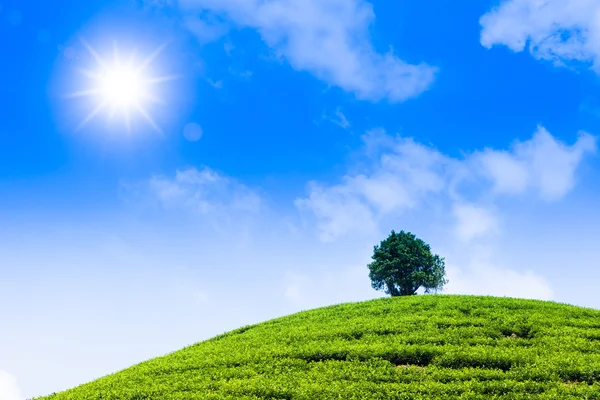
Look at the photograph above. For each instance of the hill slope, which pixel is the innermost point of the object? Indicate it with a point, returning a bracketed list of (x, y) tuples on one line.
[(420, 347)]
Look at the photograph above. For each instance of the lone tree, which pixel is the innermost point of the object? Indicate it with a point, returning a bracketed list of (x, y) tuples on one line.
[(402, 263)]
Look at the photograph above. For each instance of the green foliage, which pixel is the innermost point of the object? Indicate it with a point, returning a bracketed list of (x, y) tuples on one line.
[(402, 264), (421, 347)]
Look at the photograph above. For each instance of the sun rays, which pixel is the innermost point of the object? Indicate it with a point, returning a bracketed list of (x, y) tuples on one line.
[(121, 86)]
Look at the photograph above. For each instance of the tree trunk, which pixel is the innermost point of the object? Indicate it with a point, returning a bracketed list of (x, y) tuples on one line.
[(408, 291)]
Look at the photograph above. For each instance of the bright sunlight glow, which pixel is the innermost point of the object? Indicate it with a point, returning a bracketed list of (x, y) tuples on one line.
[(121, 86)]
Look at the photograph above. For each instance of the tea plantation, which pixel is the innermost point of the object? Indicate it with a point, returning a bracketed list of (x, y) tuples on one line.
[(416, 347)]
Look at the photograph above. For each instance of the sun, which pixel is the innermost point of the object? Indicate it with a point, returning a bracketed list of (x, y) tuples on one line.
[(121, 86)]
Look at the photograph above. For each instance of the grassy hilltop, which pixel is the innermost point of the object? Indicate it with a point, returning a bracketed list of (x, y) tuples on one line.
[(417, 347)]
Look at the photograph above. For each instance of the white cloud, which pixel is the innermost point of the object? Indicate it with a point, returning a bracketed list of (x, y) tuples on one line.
[(329, 38), (206, 30), (508, 174), (562, 31), (338, 211), (202, 192), (246, 74), (542, 163), (339, 119), (399, 180), (482, 276), (404, 175), (9, 390), (216, 84), (474, 221), (228, 47)]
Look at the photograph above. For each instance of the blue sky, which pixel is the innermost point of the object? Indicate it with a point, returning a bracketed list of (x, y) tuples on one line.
[(290, 137)]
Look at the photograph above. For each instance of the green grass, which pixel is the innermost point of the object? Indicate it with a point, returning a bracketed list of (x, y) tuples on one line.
[(419, 347)]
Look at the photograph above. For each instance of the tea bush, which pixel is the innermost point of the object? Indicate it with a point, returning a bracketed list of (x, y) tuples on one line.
[(418, 347)]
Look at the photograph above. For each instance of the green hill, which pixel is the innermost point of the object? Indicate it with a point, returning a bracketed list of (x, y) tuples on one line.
[(418, 347)]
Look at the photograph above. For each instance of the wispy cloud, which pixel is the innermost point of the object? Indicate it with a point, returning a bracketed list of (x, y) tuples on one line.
[(206, 29), (338, 118), (397, 180), (474, 221), (204, 193), (543, 164), (228, 47), (329, 38), (561, 31), (216, 84), (405, 175), (246, 74)]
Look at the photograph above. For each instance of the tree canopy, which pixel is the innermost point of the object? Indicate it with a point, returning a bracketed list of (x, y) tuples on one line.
[(402, 264)]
